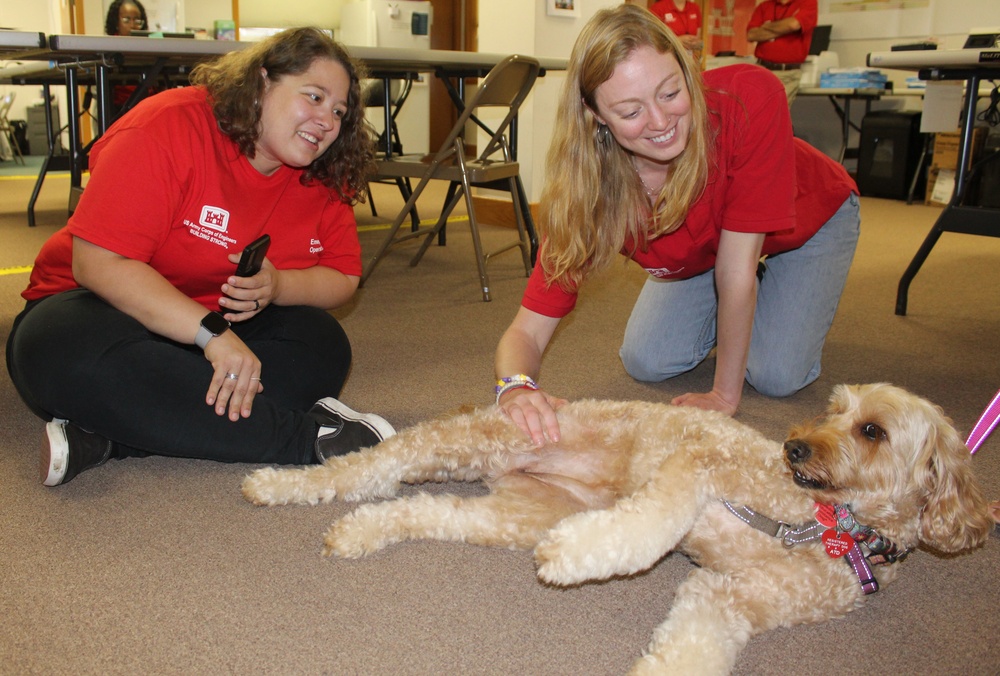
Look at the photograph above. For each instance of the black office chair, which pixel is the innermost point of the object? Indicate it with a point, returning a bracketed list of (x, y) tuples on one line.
[(388, 140), (505, 86)]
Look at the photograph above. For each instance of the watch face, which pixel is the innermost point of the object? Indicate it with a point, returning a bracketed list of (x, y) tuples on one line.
[(215, 323)]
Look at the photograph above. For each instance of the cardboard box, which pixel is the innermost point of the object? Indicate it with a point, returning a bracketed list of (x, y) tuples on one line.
[(940, 186), (946, 148)]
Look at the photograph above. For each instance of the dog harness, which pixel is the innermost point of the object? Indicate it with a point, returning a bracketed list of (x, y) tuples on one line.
[(841, 534)]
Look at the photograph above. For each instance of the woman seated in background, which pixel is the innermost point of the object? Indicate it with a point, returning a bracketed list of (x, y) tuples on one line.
[(125, 16), (696, 177), (137, 337)]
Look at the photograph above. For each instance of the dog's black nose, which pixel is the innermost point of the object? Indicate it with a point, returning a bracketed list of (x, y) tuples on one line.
[(797, 450)]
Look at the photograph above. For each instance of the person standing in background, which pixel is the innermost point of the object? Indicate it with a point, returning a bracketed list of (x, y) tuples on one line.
[(683, 17), (783, 31)]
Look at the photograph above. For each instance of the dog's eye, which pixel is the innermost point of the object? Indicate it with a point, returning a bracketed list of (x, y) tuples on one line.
[(873, 432)]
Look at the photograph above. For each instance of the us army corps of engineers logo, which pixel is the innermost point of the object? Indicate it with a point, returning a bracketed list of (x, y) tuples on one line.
[(212, 226)]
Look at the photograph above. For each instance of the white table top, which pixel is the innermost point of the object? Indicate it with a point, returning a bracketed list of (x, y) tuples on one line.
[(380, 59), (17, 40), (985, 59), (14, 44)]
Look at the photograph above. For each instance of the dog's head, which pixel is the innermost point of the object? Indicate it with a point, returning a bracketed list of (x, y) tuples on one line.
[(897, 460)]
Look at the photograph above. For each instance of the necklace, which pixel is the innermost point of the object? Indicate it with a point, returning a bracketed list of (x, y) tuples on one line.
[(650, 193)]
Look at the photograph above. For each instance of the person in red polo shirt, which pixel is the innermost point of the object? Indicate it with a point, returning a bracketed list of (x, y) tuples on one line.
[(138, 338), (783, 31), (683, 17), (697, 178)]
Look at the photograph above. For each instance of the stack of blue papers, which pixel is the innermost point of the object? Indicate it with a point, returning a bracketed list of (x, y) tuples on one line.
[(853, 78)]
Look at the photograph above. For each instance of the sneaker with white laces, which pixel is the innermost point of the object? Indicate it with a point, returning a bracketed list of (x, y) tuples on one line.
[(68, 450), (343, 430)]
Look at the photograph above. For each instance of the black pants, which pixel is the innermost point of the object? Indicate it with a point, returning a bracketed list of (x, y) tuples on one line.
[(74, 356)]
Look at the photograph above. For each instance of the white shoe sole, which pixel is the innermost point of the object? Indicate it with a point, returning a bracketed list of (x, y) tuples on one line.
[(377, 423), (55, 453)]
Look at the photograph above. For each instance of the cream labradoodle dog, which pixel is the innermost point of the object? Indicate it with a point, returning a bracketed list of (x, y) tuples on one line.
[(782, 535)]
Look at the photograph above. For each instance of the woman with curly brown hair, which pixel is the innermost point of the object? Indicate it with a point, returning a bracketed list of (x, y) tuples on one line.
[(138, 338)]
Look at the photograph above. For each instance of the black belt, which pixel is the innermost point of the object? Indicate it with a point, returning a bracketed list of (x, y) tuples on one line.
[(770, 65)]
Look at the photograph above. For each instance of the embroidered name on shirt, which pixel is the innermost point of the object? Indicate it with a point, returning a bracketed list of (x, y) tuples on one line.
[(315, 246)]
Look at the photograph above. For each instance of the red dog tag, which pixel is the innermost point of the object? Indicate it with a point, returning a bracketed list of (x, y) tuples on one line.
[(836, 544), (826, 515)]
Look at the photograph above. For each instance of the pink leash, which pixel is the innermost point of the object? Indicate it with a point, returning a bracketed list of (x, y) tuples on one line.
[(987, 421)]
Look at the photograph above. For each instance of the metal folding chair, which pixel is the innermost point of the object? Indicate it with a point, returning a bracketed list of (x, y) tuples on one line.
[(6, 129), (504, 87)]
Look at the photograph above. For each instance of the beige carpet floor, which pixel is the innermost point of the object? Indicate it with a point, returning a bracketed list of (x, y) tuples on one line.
[(158, 566)]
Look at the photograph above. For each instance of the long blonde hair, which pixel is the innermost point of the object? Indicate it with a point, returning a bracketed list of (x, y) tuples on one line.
[(593, 201)]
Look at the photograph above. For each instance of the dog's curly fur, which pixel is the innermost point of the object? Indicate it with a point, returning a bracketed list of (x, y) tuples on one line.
[(631, 481)]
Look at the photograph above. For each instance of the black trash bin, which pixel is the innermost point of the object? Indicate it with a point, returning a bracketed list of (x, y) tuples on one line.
[(889, 154)]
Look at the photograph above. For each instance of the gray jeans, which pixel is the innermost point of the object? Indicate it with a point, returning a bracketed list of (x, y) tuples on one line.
[(673, 324)]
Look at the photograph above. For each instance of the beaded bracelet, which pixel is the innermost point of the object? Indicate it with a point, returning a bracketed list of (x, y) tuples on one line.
[(505, 385)]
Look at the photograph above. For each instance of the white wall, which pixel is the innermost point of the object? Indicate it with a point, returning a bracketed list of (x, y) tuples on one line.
[(522, 26), (203, 13), (37, 15)]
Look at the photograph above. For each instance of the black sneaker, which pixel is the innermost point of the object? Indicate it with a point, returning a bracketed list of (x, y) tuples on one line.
[(68, 450), (342, 430)]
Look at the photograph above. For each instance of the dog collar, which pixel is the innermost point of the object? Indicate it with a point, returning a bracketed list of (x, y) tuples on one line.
[(841, 534)]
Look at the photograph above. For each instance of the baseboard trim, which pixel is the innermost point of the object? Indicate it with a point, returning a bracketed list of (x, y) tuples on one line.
[(500, 212)]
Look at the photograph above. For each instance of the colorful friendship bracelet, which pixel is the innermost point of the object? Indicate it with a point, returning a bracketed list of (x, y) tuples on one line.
[(505, 385)]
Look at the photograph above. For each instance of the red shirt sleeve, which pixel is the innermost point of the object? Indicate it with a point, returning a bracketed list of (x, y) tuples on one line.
[(547, 299)]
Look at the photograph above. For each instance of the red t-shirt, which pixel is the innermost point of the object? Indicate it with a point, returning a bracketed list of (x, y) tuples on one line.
[(761, 179), (790, 48), (685, 21), (168, 188)]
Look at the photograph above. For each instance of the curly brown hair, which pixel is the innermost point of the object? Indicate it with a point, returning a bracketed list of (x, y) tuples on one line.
[(236, 90)]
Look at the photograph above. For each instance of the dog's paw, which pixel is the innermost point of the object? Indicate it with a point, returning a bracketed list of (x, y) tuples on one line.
[(259, 487), (271, 487), (353, 536), (648, 665), (557, 564)]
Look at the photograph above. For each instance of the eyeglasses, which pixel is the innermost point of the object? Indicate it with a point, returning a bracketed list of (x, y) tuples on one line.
[(129, 21)]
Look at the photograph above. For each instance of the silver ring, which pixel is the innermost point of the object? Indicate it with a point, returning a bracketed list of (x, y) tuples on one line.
[(255, 378), (233, 376), (256, 305)]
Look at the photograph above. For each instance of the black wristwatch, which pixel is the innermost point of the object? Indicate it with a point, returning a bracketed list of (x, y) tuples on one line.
[(212, 325)]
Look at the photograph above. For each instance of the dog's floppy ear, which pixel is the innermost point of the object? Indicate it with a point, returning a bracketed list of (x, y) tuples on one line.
[(955, 515)]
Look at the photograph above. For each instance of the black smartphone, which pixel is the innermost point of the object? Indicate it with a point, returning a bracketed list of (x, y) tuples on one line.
[(253, 257)]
